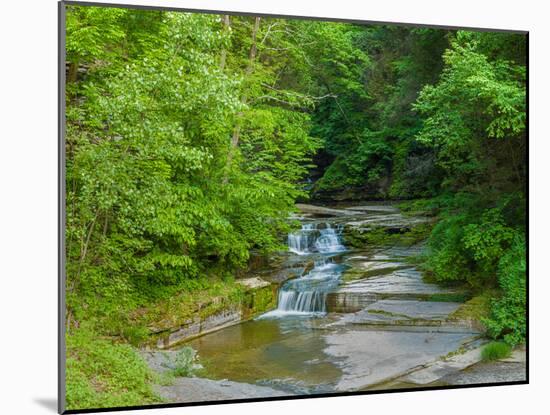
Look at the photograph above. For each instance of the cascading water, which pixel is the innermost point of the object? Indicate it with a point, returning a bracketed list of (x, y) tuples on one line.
[(307, 295), (329, 240), (299, 242), (313, 238)]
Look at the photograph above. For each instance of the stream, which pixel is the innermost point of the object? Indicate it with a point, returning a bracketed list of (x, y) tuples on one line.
[(306, 296), (353, 320)]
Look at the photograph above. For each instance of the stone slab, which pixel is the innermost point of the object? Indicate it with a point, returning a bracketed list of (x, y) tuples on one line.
[(374, 208), (394, 220), (322, 210), (494, 372), (519, 355), (438, 370), (199, 390), (368, 357), (406, 281), (425, 310), (402, 313)]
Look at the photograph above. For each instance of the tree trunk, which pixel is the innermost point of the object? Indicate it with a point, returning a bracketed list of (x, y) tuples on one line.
[(73, 72), (226, 26), (253, 47)]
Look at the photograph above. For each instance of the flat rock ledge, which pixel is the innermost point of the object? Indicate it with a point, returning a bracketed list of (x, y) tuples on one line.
[(433, 372), (199, 390), (195, 389), (322, 210), (512, 369), (368, 357), (465, 367), (402, 312)]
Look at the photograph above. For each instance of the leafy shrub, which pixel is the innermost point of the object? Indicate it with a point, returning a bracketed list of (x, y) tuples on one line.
[(448, 260), (135, 335), (508, 313), (102, 374), (467, 247), (495, 351), (480, 248), (183, 362), (487, 241)]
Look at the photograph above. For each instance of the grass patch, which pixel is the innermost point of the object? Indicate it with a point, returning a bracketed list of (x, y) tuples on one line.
[(495, 351), (459, 351), (380, 236), (449, 297), (474, 309), (389, 314), (102, 373)]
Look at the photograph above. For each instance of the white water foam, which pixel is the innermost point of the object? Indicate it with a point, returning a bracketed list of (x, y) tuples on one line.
[(306, 296)]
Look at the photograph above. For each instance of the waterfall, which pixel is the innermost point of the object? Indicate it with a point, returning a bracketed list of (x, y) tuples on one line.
[(311, 238), (302, 302), (329, 240), (300, 242), (307, 295)]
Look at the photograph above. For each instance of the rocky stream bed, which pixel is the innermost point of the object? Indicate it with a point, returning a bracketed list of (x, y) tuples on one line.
[(350, 316)]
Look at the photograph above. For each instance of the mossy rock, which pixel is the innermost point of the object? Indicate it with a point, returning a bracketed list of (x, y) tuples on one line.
[(259, 301), (359, 237), (474, 311)]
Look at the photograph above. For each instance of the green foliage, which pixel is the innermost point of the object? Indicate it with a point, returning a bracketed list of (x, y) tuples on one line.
[(184, 362), (367, 164), (495, 351), (479, 97), (371, 135), (475, 122), (190, 138), (487, 241), (135, 335), (157, 197), (93, 31), (509, 311), (475, 309), (468, 246), (445, 297), (484, 248), (448, 259), (103, 374)]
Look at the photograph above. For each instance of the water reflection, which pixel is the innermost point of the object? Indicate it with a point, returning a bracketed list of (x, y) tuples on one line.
[(284, 353)]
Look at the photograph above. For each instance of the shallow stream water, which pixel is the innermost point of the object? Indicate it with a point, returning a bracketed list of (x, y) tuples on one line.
[(284, 348), (300, 348)]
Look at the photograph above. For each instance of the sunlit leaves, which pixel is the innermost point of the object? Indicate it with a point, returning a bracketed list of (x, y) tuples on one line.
[(149, 122), (92, 32), (477, 94)]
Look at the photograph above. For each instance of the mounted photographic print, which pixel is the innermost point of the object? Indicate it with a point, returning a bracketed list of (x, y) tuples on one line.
[(270, 207)]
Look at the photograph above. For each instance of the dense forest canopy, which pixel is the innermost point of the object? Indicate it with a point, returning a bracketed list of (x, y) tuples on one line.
[(190, 137)]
